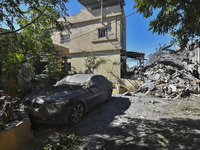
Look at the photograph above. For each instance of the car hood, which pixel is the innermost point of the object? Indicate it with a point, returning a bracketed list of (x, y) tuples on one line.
[(54, 94)]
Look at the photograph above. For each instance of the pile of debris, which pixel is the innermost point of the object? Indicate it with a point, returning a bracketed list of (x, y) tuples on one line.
[(169, 82), (171, 76), (11, 111)]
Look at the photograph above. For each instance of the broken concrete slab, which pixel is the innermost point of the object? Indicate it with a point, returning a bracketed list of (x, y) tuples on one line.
[(173, 87)]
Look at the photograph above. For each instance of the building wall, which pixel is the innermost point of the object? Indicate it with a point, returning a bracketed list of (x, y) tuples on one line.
[(111, 68), (84, 37), (84, 33)]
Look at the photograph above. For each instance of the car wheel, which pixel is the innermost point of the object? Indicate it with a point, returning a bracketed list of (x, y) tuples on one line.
[(77, 113), (109, 95)]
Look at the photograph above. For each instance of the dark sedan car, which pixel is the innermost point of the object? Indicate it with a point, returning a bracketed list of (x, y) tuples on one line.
[(68, 99)]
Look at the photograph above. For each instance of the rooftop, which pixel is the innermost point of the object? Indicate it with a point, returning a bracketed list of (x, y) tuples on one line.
[(97, 3)]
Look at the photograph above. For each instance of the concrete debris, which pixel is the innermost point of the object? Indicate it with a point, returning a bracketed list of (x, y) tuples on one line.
[(11, 111), (174, 75), (128, 93)]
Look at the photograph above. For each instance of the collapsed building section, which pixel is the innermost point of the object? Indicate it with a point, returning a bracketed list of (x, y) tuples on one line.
[(128, 73), (172, 73)]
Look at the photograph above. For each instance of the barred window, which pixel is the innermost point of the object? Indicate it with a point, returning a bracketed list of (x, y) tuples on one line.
[(64, 38), (103, 32)]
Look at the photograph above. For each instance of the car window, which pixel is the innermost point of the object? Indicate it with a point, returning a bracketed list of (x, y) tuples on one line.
[(95, 80), (77, 79), (103, 80)]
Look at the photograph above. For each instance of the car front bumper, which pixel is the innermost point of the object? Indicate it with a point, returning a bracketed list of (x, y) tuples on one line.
[(41, 115)]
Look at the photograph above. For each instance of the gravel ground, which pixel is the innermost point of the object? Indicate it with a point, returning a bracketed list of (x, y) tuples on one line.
[(136, 122)]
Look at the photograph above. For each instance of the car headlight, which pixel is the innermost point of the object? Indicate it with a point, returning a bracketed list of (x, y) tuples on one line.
[(56, 107)]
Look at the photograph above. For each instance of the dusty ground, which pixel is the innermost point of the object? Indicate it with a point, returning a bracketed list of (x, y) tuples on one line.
[(136, 122)]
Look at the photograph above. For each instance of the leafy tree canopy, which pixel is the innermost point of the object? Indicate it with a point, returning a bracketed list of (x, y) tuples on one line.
[(12, 10), (33, 43), (179, 18)]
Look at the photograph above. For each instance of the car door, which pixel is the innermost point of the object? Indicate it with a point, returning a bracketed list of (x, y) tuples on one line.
[(104, 88), (96, 91)]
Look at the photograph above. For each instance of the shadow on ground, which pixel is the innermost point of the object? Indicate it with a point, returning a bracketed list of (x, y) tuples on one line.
[(108, 127), (98, 117), (141, 134)]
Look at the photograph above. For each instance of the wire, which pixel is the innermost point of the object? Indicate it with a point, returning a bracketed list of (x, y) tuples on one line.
[(149, 46), (95, 29), (110, 24)]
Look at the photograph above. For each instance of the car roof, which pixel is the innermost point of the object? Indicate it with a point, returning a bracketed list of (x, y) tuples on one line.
[(77, 79)]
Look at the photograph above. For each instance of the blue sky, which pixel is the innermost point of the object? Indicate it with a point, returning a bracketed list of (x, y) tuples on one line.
[(139, 39)]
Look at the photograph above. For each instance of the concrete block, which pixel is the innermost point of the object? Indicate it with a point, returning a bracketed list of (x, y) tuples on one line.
[(16, 137), (173, 87)]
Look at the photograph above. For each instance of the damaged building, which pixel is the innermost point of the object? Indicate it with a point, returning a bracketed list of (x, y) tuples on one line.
[(172, 73), (100, 29)]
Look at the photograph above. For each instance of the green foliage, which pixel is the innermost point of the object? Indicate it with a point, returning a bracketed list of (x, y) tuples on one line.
[(92, 62), (19, 9), (63, 142), (10, 61), (179, 18), (19, 52)]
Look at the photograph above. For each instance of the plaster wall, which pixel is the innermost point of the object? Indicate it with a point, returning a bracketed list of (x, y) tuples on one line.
[(84, 30), (111, 69), (84, 37)]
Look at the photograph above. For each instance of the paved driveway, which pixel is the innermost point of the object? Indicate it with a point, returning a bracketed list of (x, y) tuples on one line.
[(139, 122)]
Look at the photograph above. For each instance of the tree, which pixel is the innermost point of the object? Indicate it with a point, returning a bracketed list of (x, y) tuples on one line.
[(33, 43), (36, 44), (10, 62), (17, 9), (92, 62), (179, 18)]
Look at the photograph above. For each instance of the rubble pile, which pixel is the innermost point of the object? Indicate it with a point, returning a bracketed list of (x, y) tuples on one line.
[(169, 82), (171, 76), (11, 111)]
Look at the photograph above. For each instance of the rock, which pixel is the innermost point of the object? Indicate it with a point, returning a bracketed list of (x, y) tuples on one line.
[(147, 86), (173, 87), (157, 77)]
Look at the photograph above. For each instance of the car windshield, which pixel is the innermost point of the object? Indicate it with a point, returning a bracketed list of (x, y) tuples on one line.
[(78, 79)]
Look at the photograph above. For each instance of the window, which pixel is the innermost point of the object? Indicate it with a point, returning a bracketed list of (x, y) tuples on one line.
[(95, 80), (64, 38), (103, 32), (103, 80)]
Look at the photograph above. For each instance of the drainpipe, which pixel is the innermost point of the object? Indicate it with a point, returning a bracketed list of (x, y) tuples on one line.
[(66, 65), (102, 11)]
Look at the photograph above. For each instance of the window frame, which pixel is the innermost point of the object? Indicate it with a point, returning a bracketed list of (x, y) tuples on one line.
[(64, 38), (103, 32)]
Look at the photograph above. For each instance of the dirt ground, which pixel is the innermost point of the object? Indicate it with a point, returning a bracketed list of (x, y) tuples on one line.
[(136, 122)]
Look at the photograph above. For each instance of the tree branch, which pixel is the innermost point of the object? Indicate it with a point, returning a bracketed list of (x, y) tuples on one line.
[(191, 2), (5, 33)]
